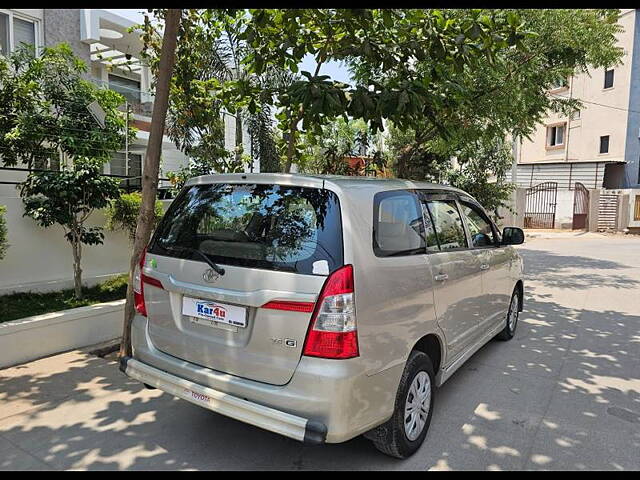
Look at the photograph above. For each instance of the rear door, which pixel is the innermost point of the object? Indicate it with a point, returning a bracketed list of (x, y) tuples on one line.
[(495, 263), (456, 274), (274, 242)]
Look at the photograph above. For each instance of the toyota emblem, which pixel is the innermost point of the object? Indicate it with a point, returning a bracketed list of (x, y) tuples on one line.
[(210, 276)]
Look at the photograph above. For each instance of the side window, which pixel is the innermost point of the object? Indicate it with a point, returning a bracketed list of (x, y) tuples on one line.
[(479, 226), (430, 230), (398, 227), (448, 224)]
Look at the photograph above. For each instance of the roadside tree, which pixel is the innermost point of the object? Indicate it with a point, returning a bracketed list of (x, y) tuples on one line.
[(43, 110), (503, 97), (210, 54), (379, 40), (151, 170), (67, 198), (44, 117)]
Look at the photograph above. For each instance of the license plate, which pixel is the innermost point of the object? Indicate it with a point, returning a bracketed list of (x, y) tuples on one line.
[(208, 311)]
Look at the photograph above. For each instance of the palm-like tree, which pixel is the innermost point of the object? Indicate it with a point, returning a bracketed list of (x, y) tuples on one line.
[(227, 57), (194, 122), (260, 124)]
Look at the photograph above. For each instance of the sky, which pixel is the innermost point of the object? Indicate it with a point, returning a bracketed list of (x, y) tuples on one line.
[(335, 70)]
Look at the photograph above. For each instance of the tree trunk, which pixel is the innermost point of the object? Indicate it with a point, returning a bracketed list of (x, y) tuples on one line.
[(402, 161), (146, 216), (239, 144), (291, 143), (290, 150), (76, 247), (293, 129)]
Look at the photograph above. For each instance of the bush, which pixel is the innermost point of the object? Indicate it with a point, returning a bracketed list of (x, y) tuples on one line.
[(122, 213), (114, 285), (3, 233)]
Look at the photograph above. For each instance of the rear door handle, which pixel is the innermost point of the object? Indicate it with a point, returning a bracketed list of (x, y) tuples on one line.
[(484, 266), (441, 277)]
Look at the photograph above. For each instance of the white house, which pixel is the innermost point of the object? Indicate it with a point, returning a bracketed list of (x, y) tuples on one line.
[(41, 259)]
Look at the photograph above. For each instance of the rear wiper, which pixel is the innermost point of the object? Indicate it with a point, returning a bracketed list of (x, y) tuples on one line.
[(219, 270)]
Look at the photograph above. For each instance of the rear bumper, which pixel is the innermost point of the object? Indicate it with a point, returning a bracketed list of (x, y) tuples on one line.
[(292, 426), (338, 394)]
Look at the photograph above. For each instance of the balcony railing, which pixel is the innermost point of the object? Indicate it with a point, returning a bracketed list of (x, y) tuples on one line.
[(128, 183), (140, 101)]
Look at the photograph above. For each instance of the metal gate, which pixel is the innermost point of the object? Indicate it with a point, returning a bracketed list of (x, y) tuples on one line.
[(608, 211), (580, 206), (540, 209)]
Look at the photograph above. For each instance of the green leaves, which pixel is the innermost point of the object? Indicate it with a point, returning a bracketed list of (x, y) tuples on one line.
[(122, 213), (86, 235), (67, 197), (457, 74), (211, 79), (43, 109), (383, 43), (323, 151), (480, 89)]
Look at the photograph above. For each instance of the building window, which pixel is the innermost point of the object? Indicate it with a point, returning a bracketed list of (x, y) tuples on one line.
[(555, 135), (133, 169), (21, 30), (575, 115), (604, 144), (4, 34), (129, 89), (608, 78), (636, 210)]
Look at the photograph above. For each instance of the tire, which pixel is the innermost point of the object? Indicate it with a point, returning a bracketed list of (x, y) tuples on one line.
[(391, 437), (510, 326)]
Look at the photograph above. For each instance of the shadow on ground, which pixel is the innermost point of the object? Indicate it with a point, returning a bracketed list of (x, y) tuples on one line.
[(562, 389), (575, 272)]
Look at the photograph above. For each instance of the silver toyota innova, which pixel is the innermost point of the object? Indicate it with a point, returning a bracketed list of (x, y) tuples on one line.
[(321, 307)]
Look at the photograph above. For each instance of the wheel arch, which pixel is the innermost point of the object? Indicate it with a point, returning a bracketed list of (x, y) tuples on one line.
[(431, 345)]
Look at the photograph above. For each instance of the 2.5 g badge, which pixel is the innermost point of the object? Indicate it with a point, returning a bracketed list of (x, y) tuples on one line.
[(287, 342)]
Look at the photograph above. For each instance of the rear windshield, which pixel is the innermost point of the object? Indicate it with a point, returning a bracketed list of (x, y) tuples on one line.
[(274, 227)]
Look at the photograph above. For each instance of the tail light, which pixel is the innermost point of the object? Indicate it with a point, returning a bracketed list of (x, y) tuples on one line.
[(139, 279), (332, 331)]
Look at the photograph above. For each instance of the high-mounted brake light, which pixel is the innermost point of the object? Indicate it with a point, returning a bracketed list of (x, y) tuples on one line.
[(139, 279), (332, 331)]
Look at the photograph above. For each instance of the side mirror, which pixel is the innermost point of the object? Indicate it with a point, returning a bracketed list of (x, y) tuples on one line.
[(512, 236)]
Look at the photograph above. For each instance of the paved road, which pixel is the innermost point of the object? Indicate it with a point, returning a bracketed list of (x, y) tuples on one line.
[(563, 394)]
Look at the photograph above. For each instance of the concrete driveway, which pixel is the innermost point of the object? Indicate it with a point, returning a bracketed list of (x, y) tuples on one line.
[(563, 394)]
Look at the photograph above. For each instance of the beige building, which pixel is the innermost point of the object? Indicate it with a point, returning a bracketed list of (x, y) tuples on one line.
[(598, 145)]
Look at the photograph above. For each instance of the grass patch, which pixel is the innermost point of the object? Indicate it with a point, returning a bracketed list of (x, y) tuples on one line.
[(20, 305)]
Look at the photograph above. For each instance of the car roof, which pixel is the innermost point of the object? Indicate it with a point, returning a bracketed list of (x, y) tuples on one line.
[(343, 182)]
